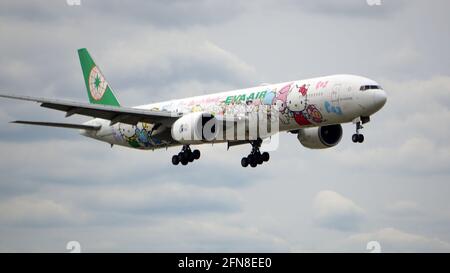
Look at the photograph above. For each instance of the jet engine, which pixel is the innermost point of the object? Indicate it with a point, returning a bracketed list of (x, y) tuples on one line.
[(320, 137), (194, 128)]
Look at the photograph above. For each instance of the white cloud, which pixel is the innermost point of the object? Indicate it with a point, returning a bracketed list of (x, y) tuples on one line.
[(36, 211), (335, 211), (414, 156), (404, 207), (190, 66)]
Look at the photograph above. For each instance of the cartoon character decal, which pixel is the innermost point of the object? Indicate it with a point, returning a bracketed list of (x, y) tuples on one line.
[(314, 113), (301, 119), (296, 100), (290, 101), (281, 97), (332, 109), (139, 136), (279, 102), (303, 112), (197, 108), (268, 99)]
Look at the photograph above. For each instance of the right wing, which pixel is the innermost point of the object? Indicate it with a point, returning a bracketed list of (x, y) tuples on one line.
[(115, 114)]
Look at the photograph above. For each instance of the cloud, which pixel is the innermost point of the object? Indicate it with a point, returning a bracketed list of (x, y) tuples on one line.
[(349, 8), (38, 212), (334, 211), (167, 14), (167, 199), (157, 71), (394, 240), (404, 208), (431, 158), (165, 235)]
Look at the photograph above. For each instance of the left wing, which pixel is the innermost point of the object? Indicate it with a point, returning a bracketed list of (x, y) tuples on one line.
[(59, 125), (115, 114)]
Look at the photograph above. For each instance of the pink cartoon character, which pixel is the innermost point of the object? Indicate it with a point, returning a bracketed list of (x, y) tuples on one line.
[(279, 102)]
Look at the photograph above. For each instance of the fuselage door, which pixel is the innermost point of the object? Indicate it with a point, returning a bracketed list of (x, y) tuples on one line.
[(335, 94)]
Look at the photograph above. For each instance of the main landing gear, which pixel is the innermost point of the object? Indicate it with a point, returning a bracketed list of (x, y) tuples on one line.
[(358, 138), (185, 156), (255, 157)]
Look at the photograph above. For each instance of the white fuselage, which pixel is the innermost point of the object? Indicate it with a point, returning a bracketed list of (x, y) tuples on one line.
[(304, 103)]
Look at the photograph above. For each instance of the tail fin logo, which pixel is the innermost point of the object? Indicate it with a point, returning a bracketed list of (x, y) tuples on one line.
[(97, 83)]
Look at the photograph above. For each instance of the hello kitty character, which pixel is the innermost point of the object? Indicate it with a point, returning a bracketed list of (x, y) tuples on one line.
[(296, 99)]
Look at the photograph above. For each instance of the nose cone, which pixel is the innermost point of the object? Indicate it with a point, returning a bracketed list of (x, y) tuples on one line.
[(379, 99)]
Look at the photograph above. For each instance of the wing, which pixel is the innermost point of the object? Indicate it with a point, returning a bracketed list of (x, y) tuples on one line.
[(60, 125), (114, 114)]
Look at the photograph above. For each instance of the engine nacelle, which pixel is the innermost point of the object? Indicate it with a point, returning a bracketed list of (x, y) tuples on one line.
[(320, 137), (194, 128)]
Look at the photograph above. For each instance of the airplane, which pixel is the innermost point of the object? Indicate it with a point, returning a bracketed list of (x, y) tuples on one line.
[(313, 109)]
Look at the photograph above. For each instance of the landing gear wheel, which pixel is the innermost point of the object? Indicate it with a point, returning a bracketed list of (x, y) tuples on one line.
[(190, 157), (360, 138), (196, 154), (259, 159), (255, 157), (175, 160), (244, 162), (265, 156), (185, 156), (251, 159)]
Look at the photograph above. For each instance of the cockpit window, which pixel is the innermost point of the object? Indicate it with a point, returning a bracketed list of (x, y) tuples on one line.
[(367, 87)]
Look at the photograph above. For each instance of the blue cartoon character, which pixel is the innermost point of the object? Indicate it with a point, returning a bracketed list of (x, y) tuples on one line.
[(332, 109), (268, 99), (142, 136)]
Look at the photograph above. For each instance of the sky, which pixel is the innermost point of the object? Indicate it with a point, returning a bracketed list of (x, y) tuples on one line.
[(57, 186)]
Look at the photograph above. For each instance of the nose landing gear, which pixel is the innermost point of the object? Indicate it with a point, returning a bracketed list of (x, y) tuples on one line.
[(358, 138), (255, 157), (185, 156)]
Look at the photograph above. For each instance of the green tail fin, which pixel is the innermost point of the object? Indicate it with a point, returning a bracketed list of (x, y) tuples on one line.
[(98, 89)]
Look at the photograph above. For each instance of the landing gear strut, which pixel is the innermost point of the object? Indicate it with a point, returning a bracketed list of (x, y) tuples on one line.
[(358, 137), (255, 157), (185, 156)]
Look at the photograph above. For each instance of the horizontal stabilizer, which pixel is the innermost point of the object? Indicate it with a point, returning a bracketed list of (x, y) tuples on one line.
[(60, 125)]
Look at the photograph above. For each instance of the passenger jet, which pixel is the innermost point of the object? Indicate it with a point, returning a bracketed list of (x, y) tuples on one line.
[(313, 109)]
